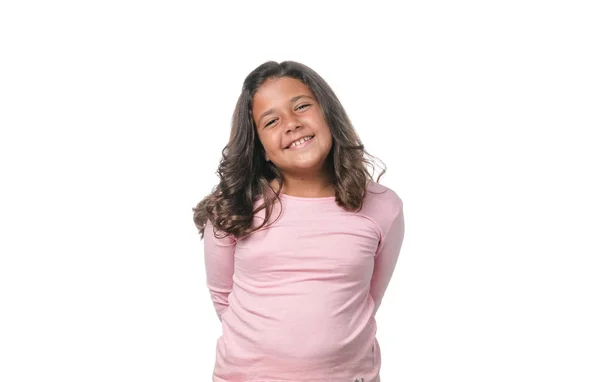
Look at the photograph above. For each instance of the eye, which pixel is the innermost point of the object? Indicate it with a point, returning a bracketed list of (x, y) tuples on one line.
[(270, 122), (303, 106)]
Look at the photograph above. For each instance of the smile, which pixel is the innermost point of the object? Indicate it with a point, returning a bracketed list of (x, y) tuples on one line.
[(300, 143)]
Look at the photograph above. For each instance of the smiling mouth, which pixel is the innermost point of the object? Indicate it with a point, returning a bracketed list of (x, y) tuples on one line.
[(300, 142)]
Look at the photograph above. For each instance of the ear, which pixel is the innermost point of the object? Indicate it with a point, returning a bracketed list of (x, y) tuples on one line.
[(267, 158)]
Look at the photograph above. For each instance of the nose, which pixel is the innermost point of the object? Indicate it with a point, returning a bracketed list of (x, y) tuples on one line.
[(292, 124)]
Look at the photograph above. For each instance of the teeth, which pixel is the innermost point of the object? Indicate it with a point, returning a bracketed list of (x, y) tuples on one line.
[(300, 141)]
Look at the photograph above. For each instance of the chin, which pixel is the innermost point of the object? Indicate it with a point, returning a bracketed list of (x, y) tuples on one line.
[(306, 165)]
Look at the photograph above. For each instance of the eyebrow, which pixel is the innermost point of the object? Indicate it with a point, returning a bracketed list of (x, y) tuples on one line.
[(292, 100)]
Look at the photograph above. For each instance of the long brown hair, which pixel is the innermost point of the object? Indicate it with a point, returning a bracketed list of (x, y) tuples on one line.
[(245, 175)]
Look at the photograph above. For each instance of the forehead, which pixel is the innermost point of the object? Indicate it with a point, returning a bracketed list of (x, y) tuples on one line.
[(279, 90)]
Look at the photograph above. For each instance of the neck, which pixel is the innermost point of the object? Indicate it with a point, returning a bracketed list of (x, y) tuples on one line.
[(315, 186)]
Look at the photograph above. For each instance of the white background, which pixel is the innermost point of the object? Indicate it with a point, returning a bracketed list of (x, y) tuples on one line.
[(113, 117)]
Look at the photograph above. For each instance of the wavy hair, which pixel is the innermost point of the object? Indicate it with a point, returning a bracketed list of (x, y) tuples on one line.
[(245, 175)]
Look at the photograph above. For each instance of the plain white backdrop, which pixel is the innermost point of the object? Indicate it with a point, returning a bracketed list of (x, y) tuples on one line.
[(113, 116)]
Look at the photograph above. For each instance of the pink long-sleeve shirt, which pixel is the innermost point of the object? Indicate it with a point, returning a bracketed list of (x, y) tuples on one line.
[(297, 299)]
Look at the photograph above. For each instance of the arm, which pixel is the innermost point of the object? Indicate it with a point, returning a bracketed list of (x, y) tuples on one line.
[(219, 264), (387, 257)]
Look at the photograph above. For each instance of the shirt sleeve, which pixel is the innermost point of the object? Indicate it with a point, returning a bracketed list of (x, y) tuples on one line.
[(219, 265), (387, 257)]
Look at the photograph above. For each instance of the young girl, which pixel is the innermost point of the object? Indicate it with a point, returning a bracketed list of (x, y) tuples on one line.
[(300, 243)]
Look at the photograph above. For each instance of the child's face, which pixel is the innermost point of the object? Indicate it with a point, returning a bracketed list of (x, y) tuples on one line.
[(285, 110)]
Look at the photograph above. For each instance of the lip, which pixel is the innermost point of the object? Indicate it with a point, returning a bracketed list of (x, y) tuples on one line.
[(301, 145)]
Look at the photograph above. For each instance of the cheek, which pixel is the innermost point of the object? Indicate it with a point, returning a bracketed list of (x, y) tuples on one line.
[(329, 140), (325, 131), (270, 143), (323, 127)]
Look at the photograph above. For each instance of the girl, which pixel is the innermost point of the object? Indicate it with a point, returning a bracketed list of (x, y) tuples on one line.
[(300, 243)]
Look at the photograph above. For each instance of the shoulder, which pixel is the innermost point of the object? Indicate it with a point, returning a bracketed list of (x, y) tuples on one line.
[(382, 204), (382, 198), (215, 237)]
